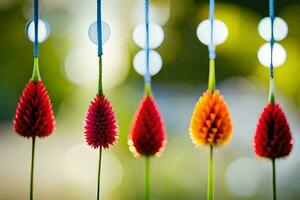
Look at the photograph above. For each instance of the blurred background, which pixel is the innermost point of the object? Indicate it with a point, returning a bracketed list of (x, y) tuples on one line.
[(66, 167)]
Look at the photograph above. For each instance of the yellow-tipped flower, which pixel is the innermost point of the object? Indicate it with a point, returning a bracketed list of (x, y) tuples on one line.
[(211, 122)]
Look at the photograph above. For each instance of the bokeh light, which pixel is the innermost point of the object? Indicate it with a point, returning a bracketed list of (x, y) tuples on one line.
[(155, 62), (81, 66), (81, 168), (247, 168), (160, 12), (93, 32), (220, 32), (280, 28), (43, 30), (264, 55), (69, 68), (156, 35)]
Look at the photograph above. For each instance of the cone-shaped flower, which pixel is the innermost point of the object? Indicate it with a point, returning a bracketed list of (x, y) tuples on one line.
[(101, 129), (273, 138), (148, 135), (34, 115), (211, 123)]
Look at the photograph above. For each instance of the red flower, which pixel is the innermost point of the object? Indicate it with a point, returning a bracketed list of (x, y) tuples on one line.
[(34, 115), (101, 129), (148, 136), (273, 138)]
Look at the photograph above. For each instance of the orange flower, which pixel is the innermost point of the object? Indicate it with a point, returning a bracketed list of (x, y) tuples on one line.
[(211, 122)]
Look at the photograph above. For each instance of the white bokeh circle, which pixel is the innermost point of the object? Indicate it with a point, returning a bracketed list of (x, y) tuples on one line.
[(81, 67), (264, 55), (280, 29), (220, 32), (80, 163), (43, 30), (93, 32), (243, 176), (155, 62), (156, 35)]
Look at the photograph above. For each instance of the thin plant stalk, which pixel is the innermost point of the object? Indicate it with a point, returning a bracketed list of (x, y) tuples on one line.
[(100, 87), (274, 178), (212, 76), (210, 180), (99, 173), (147, 178), (32, 168)]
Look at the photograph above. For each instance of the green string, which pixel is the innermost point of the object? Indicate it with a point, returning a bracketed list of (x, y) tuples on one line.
[(212, 76), (148, 90), (272, 92), (100, 86), (36, 72)]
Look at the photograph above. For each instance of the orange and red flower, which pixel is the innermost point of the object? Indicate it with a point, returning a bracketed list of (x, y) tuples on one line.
[(273, 138), (211, 122), (34, 114), (148, 135), (101, 129)]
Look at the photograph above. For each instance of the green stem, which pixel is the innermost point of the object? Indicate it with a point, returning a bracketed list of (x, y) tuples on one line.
[(147, 178), (100, 87), (210, 180), (274, 178), (148, 91), (212, 76), (32, 168), (36, 72), (99, 172), (272, 92)]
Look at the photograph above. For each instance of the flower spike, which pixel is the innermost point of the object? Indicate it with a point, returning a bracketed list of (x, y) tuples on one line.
[(148, 135), (101, 129), (273, 138), (211, 123), (34, 115)]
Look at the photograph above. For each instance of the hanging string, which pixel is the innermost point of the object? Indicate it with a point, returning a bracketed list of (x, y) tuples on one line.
[(147, 74), (211, 47), (36, 73), (100, 49), (36, 28), (272, 40), (99, 28)]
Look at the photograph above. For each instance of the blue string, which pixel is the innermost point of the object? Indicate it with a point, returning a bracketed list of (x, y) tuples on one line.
[(99, 28), (211, 47), (36, 26), (147, 74), (272, 41)]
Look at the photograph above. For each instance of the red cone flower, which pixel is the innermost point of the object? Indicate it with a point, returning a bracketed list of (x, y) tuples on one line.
[(101, 129), (273, 138), (34, 115), (148, 136)]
